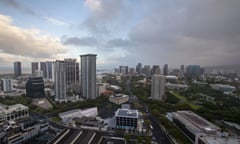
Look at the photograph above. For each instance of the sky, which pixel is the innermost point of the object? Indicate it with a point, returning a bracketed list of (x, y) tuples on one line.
[(121, 32)]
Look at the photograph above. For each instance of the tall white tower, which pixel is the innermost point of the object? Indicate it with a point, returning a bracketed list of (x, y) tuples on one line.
[(88, 76), (60, 81), (158, 87)]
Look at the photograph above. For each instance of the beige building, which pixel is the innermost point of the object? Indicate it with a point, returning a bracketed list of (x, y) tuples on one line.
[(119, 98), (14, 112)]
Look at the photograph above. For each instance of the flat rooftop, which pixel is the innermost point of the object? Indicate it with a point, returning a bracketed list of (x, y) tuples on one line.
[(11, 108), (127, 113), (195, 122)]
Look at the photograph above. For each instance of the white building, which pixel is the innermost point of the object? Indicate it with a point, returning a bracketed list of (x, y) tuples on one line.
[(173, 86), (60, 81), (88, 76), (158, 87), (21, 132), (14, 112), (128, 119), (199, 130), (78, 113), (223, 88), (101, 87), (7, 85), (119, 98)]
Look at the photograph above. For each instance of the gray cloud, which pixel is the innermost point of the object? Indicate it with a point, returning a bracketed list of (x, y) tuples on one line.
[(105, 16), (118, 42), (19, 6), (201, 32), (85, 41)]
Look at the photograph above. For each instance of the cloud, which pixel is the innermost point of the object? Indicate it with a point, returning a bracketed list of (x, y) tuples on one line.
[(94, 5), (105, 16), (118, 42), (85, 41), (56, 21), (19, 6), (189, 32), (29, 43)]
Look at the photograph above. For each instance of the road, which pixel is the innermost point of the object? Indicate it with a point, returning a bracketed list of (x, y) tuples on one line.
[(161, 137), (158, 133)]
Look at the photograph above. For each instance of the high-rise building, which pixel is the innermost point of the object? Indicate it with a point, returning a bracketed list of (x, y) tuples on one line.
[(43, 68), (131, 71), (123, 69), (88, 76), (158, 87), (50, 70), (34, 67), (72, 71), (60, 81), (35, 87), (7, 85), (165, 69), (155, 70), (193, 71), (182, 68), (147, 70), (17, 69), (139, 68)]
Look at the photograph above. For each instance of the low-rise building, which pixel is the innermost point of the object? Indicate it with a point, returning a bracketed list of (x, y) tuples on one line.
[(101, 87), (128, 119), (14, 112), (78, 113), (21, 132), (199, 130), (224, 88), (173, 86), (119, 98)]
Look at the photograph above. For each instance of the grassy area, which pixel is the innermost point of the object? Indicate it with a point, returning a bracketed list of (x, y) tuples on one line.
[(56, 119), (184, 99), (179, 96)]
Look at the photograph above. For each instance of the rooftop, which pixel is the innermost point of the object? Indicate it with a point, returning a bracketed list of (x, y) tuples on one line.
[(127, 113), (11, 108), (195, 122)]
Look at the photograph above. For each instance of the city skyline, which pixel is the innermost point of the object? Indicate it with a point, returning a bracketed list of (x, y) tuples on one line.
[(120, 32)]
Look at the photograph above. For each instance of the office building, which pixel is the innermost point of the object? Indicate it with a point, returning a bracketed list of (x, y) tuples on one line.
[(34, 67), (7, 85), (155, 70), (139, 68), (193, 71), (17, 69), (72, 71), (182, 68), (116, 71), (147, 70), (38, 73), (88, 76), (131, 71), (123, 70), (35, 87), (60, 81), (127, 119), (14, 112), (50, 70), (119, 98), (43, 68), (158, 87), (165, 69)]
